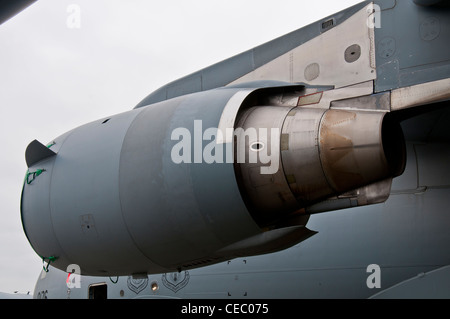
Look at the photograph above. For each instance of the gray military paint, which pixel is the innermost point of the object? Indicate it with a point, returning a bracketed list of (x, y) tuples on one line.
[(405, 236), (246, 62), (403, 57), (115, 181), (412, 44)]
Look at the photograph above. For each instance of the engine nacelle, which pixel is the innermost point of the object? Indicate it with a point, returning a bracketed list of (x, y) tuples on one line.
[(184, 183)]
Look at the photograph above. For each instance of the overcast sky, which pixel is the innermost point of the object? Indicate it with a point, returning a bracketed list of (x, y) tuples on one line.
[(58, 72)]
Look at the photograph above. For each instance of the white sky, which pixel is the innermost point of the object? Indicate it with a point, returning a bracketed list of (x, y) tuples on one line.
[(54, 78)]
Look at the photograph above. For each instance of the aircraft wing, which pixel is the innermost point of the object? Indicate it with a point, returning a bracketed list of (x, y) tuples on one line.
[(333, 95), (10, 8), (261, 62), (370, 41)]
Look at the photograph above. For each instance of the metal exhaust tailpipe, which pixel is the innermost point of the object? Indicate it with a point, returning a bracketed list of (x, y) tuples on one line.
[(323, 153)]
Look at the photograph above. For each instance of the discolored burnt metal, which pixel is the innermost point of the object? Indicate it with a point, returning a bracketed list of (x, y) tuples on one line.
[(324, 154), (351, 149), (267, 195)]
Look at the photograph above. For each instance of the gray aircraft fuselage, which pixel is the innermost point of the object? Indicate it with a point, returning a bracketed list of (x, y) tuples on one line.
[(406, 236), (218, 231)]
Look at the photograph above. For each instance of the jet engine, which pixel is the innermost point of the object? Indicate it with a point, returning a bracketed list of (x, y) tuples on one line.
[(205, 177)]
